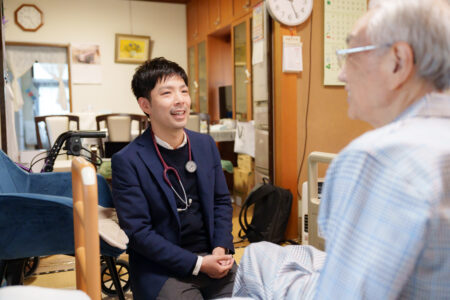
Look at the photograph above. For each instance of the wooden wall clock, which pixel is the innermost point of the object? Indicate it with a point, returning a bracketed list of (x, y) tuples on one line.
[(29, 17)]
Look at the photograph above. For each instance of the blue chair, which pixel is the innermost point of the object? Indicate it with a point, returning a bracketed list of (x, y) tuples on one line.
[(36, 219)]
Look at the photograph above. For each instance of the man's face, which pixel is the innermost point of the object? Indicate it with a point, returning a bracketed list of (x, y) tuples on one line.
[(364, 78), (169, 104)]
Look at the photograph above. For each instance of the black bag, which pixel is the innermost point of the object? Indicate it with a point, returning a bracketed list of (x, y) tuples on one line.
[(270, 214)]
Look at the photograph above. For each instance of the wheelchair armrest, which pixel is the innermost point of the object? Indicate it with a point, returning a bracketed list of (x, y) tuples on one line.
[(60, 184), (56, 184)]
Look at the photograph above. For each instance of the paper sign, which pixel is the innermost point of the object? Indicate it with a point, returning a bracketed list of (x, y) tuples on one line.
[(292, 54)]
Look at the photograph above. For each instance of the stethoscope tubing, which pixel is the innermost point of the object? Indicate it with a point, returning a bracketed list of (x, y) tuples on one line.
[(167, 168)]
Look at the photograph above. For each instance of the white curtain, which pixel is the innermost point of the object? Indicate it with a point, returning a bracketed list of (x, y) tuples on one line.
[(13, 147), (57, 72), (21, 58)]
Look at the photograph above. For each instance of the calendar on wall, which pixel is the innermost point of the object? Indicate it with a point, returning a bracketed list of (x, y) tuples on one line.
[(339, 18)]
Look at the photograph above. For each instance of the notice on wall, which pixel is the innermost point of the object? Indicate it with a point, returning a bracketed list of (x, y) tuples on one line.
[(339, 18), (258, 23), (258, 34), (292, 54), (85, 67)]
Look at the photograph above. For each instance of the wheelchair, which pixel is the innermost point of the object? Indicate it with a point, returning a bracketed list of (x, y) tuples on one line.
[(14, 265)]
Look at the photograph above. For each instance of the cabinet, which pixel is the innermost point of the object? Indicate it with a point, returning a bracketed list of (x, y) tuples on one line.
[(197, 77), (197, 24), (241, 57), (220, 13), (241, 7)]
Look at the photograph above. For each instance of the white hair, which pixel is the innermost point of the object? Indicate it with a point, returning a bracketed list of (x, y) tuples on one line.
[(424, 25)]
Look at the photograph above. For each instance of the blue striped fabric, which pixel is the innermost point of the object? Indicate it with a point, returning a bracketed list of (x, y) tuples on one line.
[(385, 211), (385, 214), (269, 271)]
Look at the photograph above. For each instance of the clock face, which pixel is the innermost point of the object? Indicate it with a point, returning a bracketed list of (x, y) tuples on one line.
[(29, 17), (290, 12)]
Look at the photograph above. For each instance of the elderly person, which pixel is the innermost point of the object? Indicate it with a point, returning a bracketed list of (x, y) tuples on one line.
[(385, 210)]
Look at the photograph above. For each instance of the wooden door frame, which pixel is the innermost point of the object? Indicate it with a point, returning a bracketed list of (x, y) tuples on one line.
[(4, 140)]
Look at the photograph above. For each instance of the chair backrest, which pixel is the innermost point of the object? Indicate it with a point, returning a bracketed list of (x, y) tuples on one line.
[(54, 126), (85, 219), (11, 175), (120, 127), (193, 123)]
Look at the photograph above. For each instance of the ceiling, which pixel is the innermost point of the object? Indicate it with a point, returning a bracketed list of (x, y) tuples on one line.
[(167, 1)]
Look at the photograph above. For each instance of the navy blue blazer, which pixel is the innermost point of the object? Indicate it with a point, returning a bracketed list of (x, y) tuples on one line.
[(147, 212)]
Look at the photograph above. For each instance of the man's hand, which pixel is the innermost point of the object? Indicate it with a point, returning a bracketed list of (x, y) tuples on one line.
[(221, 251), (216, 266)]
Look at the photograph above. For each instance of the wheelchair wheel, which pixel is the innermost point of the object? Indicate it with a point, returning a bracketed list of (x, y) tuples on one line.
[(107, 283), (30, 266)]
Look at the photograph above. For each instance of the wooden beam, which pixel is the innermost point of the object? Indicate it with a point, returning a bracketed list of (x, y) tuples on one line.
[(285, 127), (2, 90)]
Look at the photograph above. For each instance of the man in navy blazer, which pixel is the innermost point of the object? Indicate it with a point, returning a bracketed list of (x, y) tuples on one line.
[(171, 196)]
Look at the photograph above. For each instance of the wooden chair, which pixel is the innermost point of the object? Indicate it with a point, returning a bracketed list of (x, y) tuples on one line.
[(119, 127), (54, 126), (195, 119), (205, 117), (85, 219)]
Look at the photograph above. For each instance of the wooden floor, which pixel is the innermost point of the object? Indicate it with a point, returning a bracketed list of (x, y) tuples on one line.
[(58, 271)]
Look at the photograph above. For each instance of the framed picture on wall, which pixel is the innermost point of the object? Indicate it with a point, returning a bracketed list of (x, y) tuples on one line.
[(132, 49)]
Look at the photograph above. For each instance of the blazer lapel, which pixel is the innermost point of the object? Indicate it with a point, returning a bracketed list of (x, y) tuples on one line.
[(148, 155)]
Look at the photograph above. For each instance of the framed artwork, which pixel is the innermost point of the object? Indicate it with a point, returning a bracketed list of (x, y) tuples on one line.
[(132, 49)]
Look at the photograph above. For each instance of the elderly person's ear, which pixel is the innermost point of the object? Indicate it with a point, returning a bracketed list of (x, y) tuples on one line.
[(401, 64)]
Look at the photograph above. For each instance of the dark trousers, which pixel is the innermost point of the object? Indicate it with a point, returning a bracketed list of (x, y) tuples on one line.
[(198, 287)]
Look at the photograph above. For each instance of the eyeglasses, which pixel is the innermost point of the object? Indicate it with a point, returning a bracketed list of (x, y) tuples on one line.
[(342, 54)]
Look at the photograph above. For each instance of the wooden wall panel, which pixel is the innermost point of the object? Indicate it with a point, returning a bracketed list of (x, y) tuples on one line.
[(285, 127), (220, 71), (321, 111), (327, 127)]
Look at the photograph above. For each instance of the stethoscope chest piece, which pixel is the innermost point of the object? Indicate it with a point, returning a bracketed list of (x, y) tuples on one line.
[(191, 166)]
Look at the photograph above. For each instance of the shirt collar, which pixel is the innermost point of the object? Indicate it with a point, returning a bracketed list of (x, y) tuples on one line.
[(431, 105), (166, 145)]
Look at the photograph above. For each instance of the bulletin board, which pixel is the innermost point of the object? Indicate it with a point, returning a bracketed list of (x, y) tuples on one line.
[(339, 18)]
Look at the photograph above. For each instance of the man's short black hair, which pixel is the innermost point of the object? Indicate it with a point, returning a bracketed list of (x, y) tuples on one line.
[(152, 71)]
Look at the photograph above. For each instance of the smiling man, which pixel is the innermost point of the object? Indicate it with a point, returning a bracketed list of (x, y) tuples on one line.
[(171, 196), (385, 206)]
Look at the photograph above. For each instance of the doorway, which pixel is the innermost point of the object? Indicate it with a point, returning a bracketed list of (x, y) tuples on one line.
[(40, 82)]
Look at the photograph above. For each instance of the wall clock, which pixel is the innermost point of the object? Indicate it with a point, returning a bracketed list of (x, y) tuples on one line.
[(290, 12), (29, 17)]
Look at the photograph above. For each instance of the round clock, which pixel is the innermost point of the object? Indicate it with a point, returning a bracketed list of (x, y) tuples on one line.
[(29, 17), (290, 12)]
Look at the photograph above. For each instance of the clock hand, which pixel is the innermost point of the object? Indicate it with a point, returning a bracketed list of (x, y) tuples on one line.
[(293, 8)]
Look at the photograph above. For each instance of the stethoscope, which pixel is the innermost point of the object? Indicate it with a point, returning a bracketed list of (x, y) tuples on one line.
[(190, 166)]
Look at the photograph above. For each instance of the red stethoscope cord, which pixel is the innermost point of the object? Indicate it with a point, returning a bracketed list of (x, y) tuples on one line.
[(191, 167)]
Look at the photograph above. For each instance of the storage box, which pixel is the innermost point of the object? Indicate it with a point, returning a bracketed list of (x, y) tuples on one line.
[(244, 181), (245, 162)]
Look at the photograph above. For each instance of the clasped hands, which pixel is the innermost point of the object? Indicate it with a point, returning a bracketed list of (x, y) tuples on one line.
[(218, 264)]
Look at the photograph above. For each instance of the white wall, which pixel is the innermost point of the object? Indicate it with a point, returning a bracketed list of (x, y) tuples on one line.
[(97, 21)]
